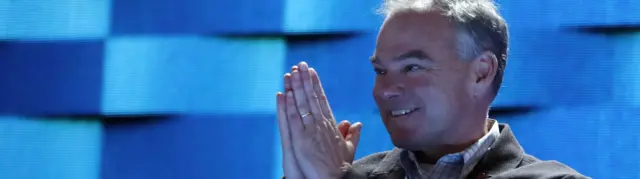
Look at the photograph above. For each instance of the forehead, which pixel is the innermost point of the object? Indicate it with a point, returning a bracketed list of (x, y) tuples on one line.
[(402, 32)]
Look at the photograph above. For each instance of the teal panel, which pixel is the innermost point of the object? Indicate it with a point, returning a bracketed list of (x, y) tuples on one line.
[(626, 58), (192, 75), (48, 148), (4, 16), (303, 16), (535, 73), (598, 13), (54, 19), (599, 140), (570, 13)]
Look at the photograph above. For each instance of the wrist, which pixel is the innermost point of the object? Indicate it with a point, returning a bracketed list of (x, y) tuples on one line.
[(346, 167)]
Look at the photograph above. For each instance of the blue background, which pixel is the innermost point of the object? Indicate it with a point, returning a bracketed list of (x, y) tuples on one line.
[(127, 89)]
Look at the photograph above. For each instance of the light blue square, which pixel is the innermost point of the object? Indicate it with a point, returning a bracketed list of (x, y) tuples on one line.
[(192, 74), (54, 19), (39, 148)]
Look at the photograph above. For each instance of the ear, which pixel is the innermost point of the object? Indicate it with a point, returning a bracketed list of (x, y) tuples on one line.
[(484, 68)]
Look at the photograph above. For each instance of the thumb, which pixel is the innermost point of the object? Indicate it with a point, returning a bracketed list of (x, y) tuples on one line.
[(354, 134)]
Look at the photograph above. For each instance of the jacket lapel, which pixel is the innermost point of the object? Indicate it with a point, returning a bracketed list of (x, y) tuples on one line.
[(505, 154), (390, 166)]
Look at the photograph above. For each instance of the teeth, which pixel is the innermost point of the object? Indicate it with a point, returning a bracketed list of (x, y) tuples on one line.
[(401, 112)]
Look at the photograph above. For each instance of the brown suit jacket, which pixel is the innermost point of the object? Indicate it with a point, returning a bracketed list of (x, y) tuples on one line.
[(505, 159)]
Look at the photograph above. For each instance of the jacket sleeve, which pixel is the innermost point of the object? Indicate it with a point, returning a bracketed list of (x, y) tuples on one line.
[(351, 174), (354, 174), (575, 177), (361, 168)]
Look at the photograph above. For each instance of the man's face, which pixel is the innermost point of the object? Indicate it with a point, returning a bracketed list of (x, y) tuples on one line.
[(422, 87)]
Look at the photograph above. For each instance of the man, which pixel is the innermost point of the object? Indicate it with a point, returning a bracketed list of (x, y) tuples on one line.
[(439, 66)]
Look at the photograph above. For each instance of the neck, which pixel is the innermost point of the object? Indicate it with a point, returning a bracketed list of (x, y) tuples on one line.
[(431, 154)]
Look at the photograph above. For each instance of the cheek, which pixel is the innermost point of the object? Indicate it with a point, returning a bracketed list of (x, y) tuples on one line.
[(436, 101), (437, 98), (427, 89)]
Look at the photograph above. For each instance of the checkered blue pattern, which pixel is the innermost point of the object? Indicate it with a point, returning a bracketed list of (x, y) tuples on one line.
[(123, 89)]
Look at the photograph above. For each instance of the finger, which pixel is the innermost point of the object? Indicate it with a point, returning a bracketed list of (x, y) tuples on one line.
[(352, 140), (287, 82), (288, 158), (320, 95), (310, 93), (343, 127), (287, 79), (301, 98), (283, 125), (354, 134), (293, 118)]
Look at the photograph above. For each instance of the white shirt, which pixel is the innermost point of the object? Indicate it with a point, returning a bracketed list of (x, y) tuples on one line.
[(456, 165)]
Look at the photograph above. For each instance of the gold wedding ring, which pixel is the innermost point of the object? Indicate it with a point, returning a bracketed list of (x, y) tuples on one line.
[(305, 115)]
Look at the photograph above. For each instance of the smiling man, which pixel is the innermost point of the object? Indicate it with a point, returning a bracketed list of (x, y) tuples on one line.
[(439, 66)]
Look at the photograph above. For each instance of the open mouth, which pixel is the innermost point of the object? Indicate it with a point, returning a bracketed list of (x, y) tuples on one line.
[(402, 112)]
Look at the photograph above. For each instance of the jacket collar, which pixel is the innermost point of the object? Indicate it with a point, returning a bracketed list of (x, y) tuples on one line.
[(505, 154), (390, 164)]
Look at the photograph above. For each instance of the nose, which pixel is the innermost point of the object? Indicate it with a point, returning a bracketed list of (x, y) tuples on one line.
[(393, 91)]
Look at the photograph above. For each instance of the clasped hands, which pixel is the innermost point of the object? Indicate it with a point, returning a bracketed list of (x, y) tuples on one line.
[(313, 145)]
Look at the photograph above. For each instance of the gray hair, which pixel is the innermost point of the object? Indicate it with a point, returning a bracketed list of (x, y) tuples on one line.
[(479, 25)]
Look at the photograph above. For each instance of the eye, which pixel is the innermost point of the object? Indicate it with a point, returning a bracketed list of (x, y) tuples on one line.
[(410, 68), (380, 72)]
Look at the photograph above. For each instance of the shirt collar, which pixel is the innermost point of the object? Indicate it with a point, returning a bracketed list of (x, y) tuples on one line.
[(469, 157), (472, 157), (486, 140)]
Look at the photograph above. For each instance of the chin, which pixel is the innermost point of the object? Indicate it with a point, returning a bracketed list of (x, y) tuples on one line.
[(405, 141), (415, 140), (406, 144)]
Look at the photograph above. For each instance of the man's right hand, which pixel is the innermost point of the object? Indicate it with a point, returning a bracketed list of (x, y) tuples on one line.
[(290, 163)]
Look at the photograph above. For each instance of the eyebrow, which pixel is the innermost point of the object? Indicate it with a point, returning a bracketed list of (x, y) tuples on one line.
[(418, 54)]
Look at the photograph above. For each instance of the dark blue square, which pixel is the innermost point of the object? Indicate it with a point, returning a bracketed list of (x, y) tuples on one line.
[(342, 62), (213, 146), (196, 16), (51, 78)]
